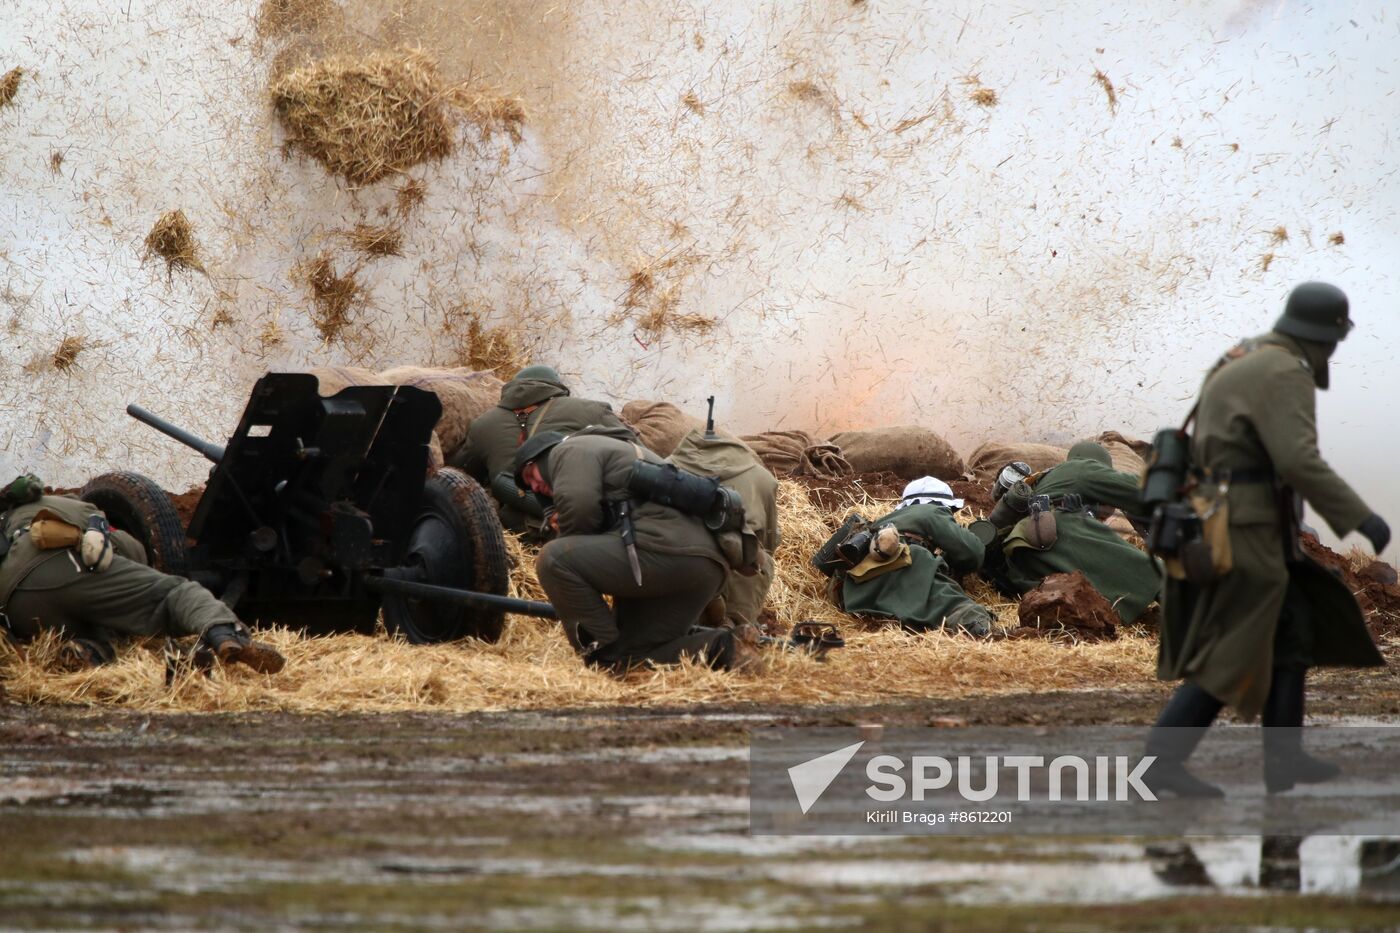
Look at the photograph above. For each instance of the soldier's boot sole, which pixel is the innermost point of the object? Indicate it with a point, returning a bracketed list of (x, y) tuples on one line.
[(261, 657)]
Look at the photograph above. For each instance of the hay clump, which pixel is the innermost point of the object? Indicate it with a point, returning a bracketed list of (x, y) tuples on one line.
[(333, 295), (9, 85), (491, 112), (1279, 234), (479, 347), (366, 117), (280, 17), (1265, 261), (984, 97), (67, 353), (172, 239), (1337, 239), (693, 103), (373, 240)]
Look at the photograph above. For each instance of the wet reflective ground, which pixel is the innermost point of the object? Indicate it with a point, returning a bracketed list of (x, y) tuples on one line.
[(571, 821)]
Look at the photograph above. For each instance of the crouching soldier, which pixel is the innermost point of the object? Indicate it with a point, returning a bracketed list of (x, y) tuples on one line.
[(1050, 523), (661, 566), (67, 570), (536, 400), (902, 565)]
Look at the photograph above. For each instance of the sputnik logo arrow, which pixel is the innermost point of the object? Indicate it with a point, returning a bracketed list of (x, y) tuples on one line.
[(811, 778)]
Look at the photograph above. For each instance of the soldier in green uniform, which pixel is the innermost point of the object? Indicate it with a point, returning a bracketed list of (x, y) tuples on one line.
[(660, 566), (534, 401), (738, 467), (1246, 639), (922, 594), (63, 572), (1072, 536)]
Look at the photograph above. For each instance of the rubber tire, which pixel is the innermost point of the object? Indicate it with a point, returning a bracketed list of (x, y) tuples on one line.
[(141, 508), (453, 499)]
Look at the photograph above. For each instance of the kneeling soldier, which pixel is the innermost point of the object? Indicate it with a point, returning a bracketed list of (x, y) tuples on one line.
[(66, 570), (660, 566)]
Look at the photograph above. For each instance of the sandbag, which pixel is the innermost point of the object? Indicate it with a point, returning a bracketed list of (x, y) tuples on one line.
[(660, 425), (797, 453), (908, 451), (334, 378), (986, 461), (1127, 454), (465, 395)]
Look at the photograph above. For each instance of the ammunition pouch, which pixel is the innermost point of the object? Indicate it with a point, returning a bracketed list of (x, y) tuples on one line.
[(49, 532), (1039, 528)]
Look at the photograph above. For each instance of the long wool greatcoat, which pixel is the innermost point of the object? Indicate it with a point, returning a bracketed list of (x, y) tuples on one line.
[(924, 594), (1127, 577), (1258, 413)]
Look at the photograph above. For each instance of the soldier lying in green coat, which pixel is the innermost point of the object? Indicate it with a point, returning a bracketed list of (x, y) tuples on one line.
[(67, 570), (1078, 490), (922, 594)]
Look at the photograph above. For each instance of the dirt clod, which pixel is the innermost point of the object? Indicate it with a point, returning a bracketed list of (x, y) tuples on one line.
[(1069, 602)]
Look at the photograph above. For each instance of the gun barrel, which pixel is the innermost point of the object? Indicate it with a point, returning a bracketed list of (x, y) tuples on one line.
[(211, 451), (415, 590)]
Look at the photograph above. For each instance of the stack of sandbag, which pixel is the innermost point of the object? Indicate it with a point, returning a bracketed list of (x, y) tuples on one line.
[(908, 451), (660, 425), (986, 461), (797, 453), (465, 395)]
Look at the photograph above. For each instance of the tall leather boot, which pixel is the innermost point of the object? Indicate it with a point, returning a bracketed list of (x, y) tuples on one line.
[(1178, 731), (1285, 762)]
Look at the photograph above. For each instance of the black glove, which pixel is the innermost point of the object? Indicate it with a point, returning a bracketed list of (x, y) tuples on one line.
[(1377, 531)]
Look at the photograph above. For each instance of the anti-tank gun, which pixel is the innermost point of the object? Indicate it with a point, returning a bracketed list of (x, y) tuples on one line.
[(319, 512)]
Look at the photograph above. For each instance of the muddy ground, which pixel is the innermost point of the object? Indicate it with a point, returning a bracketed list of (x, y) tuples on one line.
[(569, 820)]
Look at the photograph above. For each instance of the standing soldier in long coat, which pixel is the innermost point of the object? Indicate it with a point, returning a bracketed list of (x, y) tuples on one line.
[(1246, 639)]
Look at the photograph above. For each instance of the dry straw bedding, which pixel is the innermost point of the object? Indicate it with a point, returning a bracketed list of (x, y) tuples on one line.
[(533, 668)]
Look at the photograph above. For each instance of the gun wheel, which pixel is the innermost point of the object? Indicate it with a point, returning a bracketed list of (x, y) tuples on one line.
[(456, 540), (137, 505)]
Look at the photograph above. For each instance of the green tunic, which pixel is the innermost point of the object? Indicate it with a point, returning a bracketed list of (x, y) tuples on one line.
[(527, 407), (1258, 413), (923, 595), (1127, 577)]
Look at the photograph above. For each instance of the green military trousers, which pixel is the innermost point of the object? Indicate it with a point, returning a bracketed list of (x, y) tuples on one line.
[(128, 598), (651, 622)]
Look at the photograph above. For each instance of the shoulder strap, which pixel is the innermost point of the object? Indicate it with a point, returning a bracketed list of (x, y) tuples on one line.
[(1238, 351), (536, 426)]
